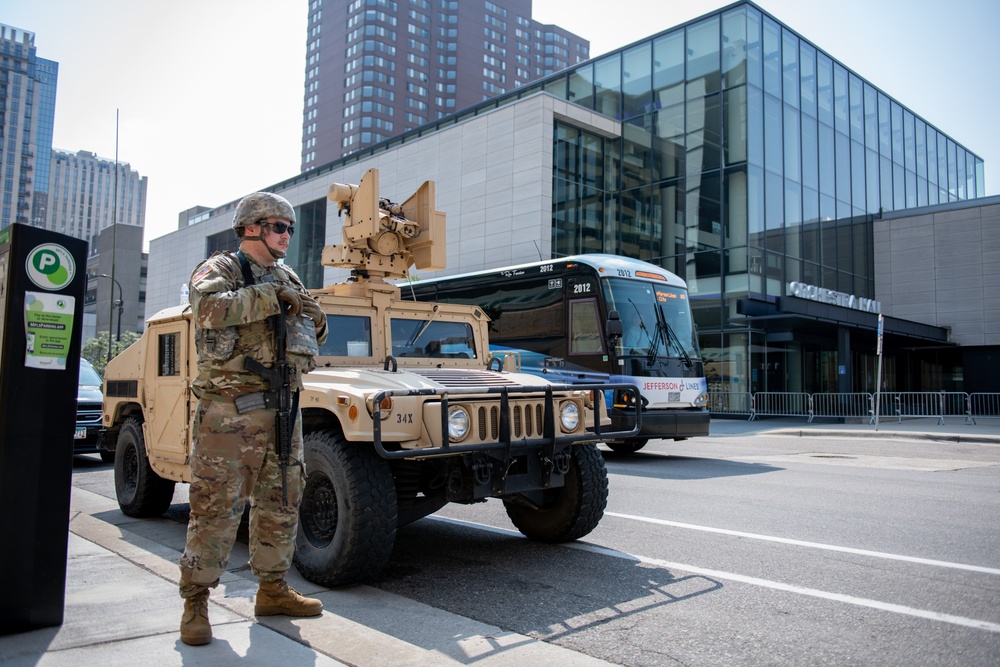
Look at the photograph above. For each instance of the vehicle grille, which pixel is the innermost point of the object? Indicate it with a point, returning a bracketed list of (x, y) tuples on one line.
[(526, 421), (87, 413), (462, 377)]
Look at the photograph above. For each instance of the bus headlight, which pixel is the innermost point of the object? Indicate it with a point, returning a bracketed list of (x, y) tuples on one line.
[(458, 423), (701, 400), (569, 416)]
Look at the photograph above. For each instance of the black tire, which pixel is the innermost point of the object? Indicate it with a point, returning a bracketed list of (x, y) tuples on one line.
[(141, 492), (107, 456), (348, 515), (571, 511), (628, 446)]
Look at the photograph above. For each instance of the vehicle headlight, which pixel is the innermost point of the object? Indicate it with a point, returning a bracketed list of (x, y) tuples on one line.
[(701, 400), (458, 423), (569, 416)]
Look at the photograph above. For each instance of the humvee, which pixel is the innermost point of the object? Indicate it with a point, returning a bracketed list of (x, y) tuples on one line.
[(405, 412)]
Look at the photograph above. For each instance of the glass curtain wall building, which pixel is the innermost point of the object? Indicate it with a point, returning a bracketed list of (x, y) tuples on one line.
[(748, 160)]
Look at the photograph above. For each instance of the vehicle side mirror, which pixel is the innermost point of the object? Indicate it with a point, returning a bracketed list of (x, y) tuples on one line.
[(613, 327)]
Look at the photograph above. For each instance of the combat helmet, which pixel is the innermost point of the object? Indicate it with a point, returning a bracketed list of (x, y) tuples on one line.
[(260, 205)]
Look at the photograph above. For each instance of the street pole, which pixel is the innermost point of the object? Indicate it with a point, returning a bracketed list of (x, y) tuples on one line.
[(121, 307), (878, 377)]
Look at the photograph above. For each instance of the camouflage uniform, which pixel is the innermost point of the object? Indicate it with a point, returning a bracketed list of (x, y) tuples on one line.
[(233, 457)]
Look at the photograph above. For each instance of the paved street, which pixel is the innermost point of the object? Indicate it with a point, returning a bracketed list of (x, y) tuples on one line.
[(744, 548)]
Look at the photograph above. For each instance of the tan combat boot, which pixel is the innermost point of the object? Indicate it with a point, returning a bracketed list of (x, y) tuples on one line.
[(276, 598), (195, 628)]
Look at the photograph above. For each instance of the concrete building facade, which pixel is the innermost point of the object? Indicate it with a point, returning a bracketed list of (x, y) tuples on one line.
[(116, 282), (378, 68), (729, 150), (88, 193)]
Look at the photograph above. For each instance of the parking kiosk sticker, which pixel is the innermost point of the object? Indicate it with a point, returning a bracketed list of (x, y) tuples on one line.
[(48, 328), (50, 266)]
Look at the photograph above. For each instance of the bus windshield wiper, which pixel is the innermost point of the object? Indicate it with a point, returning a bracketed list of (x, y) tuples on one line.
[(642, 325), (671, 336)]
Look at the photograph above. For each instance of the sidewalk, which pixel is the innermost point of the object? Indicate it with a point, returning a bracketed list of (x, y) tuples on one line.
[(984, 431), (122, 606)]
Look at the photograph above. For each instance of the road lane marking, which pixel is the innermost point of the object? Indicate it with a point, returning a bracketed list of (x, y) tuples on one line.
[(753, 581), (799, 590), (813, 545)]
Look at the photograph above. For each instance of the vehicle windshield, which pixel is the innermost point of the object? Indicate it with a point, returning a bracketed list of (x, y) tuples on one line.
[(432, 338), (88, 376), (656, 318)]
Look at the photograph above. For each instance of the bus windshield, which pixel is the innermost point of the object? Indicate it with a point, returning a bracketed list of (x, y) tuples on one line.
[(656, 318)]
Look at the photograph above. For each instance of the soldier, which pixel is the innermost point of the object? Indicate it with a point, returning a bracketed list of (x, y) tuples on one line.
[(233, 455)]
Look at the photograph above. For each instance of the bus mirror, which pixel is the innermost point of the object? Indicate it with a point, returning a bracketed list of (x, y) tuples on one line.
[(613, 328)]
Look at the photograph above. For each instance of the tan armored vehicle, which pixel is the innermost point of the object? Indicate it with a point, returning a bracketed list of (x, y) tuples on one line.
[(404, 414)]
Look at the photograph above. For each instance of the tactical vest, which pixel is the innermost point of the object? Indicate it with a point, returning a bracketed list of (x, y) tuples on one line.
[(222, 351)]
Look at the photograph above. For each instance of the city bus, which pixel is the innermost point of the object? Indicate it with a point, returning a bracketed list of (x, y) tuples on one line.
[(556, 316)]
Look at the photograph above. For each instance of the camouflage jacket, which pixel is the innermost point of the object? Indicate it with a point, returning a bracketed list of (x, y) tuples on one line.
[(230, 320)]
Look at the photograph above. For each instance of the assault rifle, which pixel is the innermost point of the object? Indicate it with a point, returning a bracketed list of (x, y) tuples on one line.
[(279, 396)]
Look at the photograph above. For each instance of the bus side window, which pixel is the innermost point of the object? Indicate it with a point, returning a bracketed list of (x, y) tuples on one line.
[(585, 331)]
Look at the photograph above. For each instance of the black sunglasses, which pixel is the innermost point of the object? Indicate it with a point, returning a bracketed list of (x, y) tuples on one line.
[(278, 227)]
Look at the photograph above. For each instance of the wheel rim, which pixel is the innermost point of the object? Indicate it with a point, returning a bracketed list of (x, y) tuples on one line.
[(318, 512)]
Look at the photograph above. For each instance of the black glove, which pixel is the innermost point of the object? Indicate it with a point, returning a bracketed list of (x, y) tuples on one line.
[(290, 296)]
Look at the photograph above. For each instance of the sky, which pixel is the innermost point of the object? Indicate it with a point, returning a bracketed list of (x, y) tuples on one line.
[(208, 94)]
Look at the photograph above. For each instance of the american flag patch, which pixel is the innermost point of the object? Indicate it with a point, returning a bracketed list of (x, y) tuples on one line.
[(203, 271)]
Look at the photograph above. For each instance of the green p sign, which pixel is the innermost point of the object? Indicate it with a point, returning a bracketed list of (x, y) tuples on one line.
[(50, 266)]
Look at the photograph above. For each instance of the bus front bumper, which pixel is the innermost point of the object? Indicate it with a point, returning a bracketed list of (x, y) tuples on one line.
[(666, 424)]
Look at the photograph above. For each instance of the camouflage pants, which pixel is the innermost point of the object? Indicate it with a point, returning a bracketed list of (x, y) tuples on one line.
[(233, 459)]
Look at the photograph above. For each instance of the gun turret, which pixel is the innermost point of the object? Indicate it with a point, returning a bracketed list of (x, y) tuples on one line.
[(382, 239)]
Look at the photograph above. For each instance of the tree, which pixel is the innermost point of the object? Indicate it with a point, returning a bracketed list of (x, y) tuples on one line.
[(95, 350)]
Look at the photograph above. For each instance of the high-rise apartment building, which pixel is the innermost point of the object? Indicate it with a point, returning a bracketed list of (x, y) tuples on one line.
[(82, 195), (377, 68), (27, 111)]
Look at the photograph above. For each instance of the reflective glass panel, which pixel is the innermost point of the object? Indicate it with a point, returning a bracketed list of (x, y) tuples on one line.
[(637, 80), (793, 153), (608, 86), (909, 144), (754, 49), (581, 86), (703, 73), (735, 118), (857, 108), (773, 155), (810, 153), (790, 67), (772, 57), (840, 99), (668, 69), (824, 89), (807, 70), (734, 48)]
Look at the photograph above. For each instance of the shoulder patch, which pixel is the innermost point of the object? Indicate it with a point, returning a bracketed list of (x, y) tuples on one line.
[(202, 271)]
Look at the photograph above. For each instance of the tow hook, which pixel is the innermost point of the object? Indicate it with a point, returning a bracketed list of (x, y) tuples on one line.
[(483, 472), (561, 462)]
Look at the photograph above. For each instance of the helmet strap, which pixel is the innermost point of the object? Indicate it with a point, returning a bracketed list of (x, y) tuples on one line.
[(276, 254)]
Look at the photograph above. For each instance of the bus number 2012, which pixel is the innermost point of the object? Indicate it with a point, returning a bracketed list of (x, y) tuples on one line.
[(581, 289)]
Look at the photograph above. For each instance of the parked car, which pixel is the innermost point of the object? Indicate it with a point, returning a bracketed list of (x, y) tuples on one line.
[(89, 400)]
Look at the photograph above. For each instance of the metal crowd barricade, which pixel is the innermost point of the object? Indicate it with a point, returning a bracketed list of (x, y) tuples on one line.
[(781, 404), (730, 403), (930, 404), (940, 404), (843, 405), (983, 406)]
